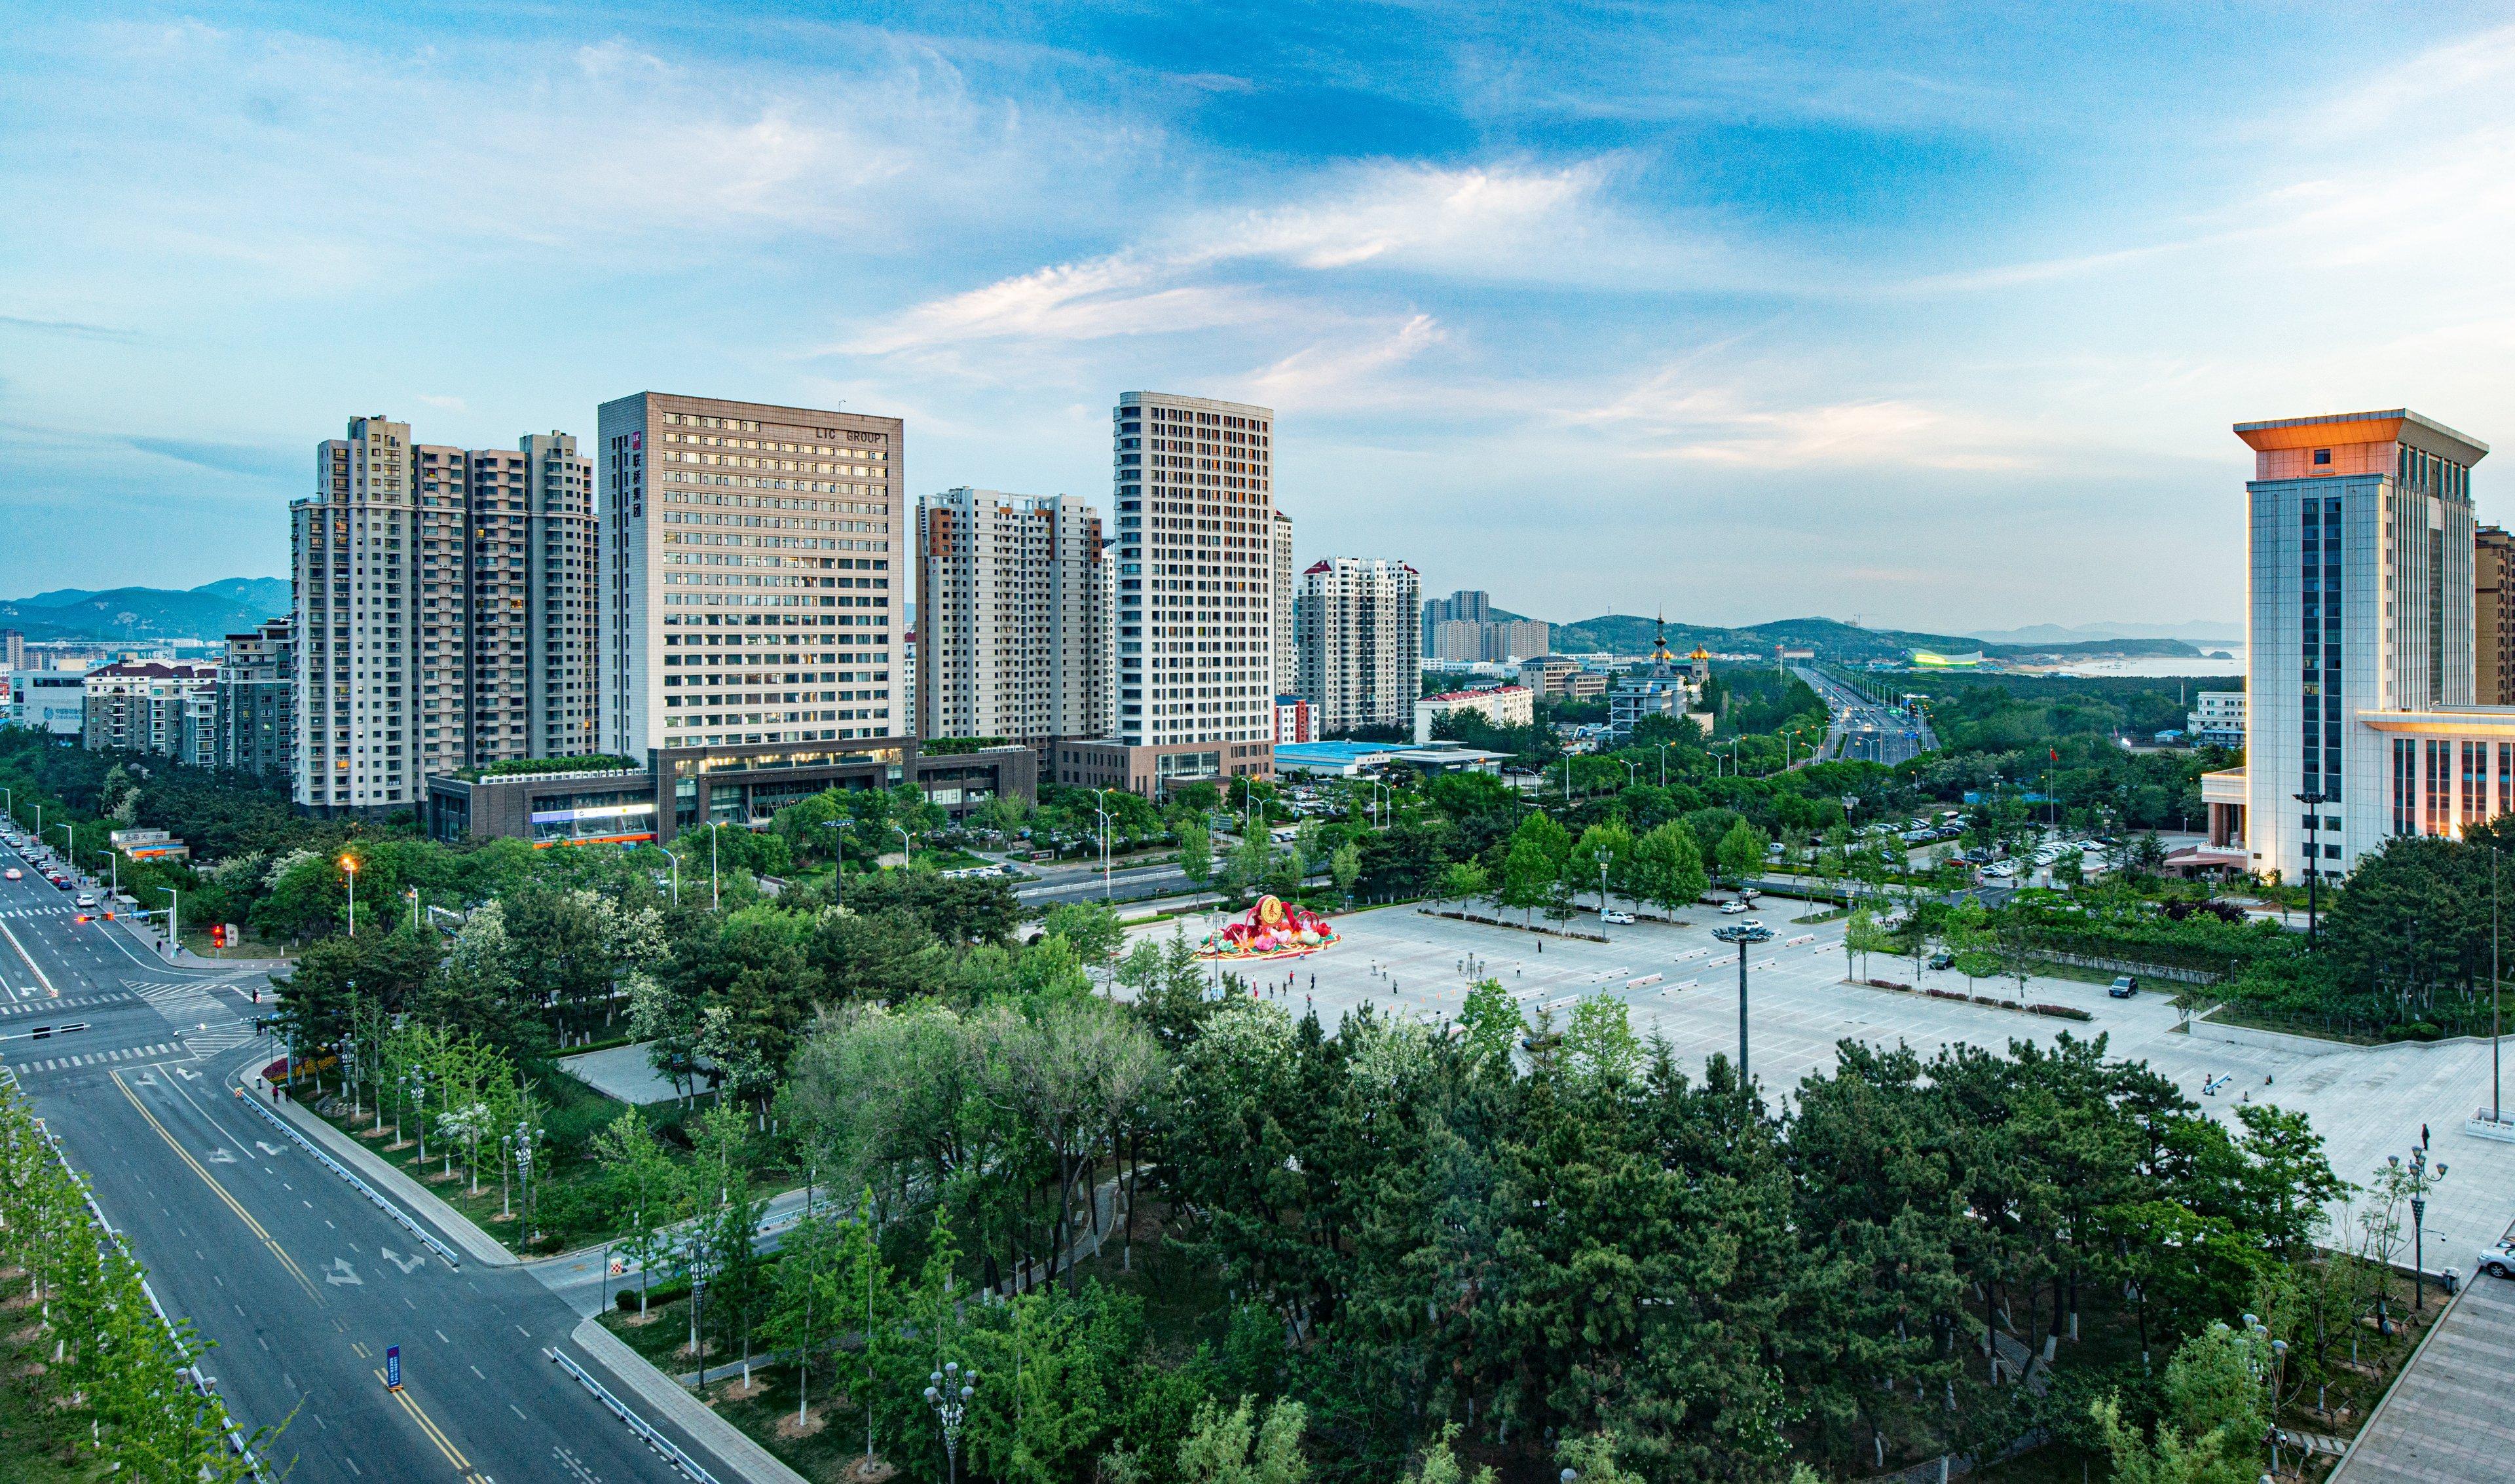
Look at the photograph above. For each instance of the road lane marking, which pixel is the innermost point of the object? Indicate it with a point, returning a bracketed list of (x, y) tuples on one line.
[(241, 1213), (428, 1425), (38, 969)]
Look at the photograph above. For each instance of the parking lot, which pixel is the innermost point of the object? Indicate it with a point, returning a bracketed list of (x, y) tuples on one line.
[(2366, 1102)]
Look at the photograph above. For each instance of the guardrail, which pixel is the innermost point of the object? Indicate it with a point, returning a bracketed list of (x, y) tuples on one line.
[(360, 1186), (665, 1448)]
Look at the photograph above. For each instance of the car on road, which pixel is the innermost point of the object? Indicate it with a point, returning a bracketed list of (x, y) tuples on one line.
[(1733, 907), (17, 875), (2123, 986), (86, 900), (2498, 1261), (1614, 917)]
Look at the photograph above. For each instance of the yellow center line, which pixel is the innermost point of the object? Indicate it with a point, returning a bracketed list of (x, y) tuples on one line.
[(428, 1425), (241, 1213)]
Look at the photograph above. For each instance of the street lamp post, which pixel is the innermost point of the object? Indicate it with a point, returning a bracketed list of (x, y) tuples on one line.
[(838, 859), (174, 921), (716, 896), (2497, 1115), (907, 851), (677, 872), (948, 1392), (69, 851), (2313, 860), (523, 1137), (1742, 935), (349, 870), (1100, 803), (419, 1113), (1663, 762)]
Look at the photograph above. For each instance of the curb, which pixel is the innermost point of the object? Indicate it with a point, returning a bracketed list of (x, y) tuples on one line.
[(732, 1446), (484, 1248)]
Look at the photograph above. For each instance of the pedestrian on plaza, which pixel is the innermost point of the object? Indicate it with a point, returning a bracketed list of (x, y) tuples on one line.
[(2423, 1135)]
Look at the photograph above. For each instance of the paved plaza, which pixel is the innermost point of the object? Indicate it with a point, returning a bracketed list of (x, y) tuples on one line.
[(2366, 1102)]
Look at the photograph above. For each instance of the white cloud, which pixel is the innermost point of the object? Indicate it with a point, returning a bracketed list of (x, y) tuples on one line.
[(1312, 374)]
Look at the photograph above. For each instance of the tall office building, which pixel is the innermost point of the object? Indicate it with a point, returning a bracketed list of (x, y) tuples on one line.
[(257, 717), (2493, 616), (535, 600), (1279, 613), (2359, 662), (755, 574), (1361, 657), (1011, 621), (1196, 589)]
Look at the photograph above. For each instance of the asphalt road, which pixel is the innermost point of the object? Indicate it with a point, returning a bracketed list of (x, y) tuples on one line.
[(1864, 732), (297, 1279), (1127, 883)]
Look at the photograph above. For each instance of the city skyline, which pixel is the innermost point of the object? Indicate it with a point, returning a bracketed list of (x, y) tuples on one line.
[(1914, 312)]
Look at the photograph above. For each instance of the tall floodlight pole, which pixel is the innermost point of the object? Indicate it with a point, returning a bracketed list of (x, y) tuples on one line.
[(1742, 935)]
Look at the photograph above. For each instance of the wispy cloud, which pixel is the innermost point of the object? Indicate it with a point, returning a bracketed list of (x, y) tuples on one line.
[(226, 458), (69, 327)]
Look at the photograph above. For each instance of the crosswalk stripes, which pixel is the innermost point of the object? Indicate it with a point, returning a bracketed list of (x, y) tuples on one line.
[(97, 1059), (225, 1038), (159, 989), (45, 1005)]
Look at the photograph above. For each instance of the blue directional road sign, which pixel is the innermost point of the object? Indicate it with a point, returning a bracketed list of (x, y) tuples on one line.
[(392, 1367)]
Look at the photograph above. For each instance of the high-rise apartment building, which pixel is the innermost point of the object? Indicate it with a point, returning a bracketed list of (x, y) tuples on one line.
[(2359, 690), (1196, 590), (1361, 655), (444, 604), (257, 717), (2493, 616), (1010, 620), (534, 602), (755, 574), (355, 561), (13, 649), (1287, 647)]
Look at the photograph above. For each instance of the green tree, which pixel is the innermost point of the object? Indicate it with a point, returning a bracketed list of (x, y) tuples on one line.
[(1344, 868), (1195, 853), (1528, 876), (1742, 852), (650, 1188), (1604, 857), (1463, 881), (1668, 866), (1234, 1447)]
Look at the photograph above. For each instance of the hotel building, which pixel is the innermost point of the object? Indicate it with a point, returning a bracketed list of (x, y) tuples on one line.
[(755, 575), (2362, 718)]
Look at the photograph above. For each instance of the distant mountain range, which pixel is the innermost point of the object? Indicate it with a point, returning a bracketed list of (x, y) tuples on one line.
[(2218, 633), (1830, 638), (229, 605)]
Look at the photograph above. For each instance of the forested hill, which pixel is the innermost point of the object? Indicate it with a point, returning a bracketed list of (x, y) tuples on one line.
[(230, 605), (1830, 638)]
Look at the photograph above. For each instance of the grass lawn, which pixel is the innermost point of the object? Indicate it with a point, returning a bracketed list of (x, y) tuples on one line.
[(34, 1433)]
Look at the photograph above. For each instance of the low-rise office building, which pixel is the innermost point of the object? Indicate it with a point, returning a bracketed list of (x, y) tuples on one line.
[(2218, 717), (687, 789), (53, 700)]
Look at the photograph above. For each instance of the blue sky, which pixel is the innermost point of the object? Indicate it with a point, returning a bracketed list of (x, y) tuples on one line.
[(1934, 316)]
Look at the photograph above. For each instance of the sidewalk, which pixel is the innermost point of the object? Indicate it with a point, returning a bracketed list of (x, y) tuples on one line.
[(389, 1177), (672, 1404)]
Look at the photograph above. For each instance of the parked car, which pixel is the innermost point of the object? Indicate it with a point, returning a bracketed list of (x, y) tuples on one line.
[(1943, 960), (1733, 907), (1613, 916), (86, 900), (2123, 986), (2498, 1262)]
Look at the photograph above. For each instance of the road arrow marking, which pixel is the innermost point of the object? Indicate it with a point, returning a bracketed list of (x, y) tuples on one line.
[(342, 1275), (220, 1156), (413, 1263), (268, 1148)]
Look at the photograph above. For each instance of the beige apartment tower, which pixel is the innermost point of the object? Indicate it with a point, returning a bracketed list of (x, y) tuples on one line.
[(1361, 642), (1010, 617), (445, 602), (2493, 616), (755, 575)]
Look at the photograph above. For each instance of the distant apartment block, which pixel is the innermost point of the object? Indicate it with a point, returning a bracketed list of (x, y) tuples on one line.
[(1292, 721), (13, 650), (148, 706), (1503, 706), (2493, 616), (257, 716), (755, 575), (1010, 620), (1361, 654)]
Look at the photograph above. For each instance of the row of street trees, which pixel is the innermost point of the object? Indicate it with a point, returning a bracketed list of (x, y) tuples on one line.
[(114, 1366)]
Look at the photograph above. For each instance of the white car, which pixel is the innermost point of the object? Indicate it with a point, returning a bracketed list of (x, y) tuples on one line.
[(1733, 907), (17, 875), (2498, 1261), (1614, 917), (86, 900), (1752, 923), (2000, 868)]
